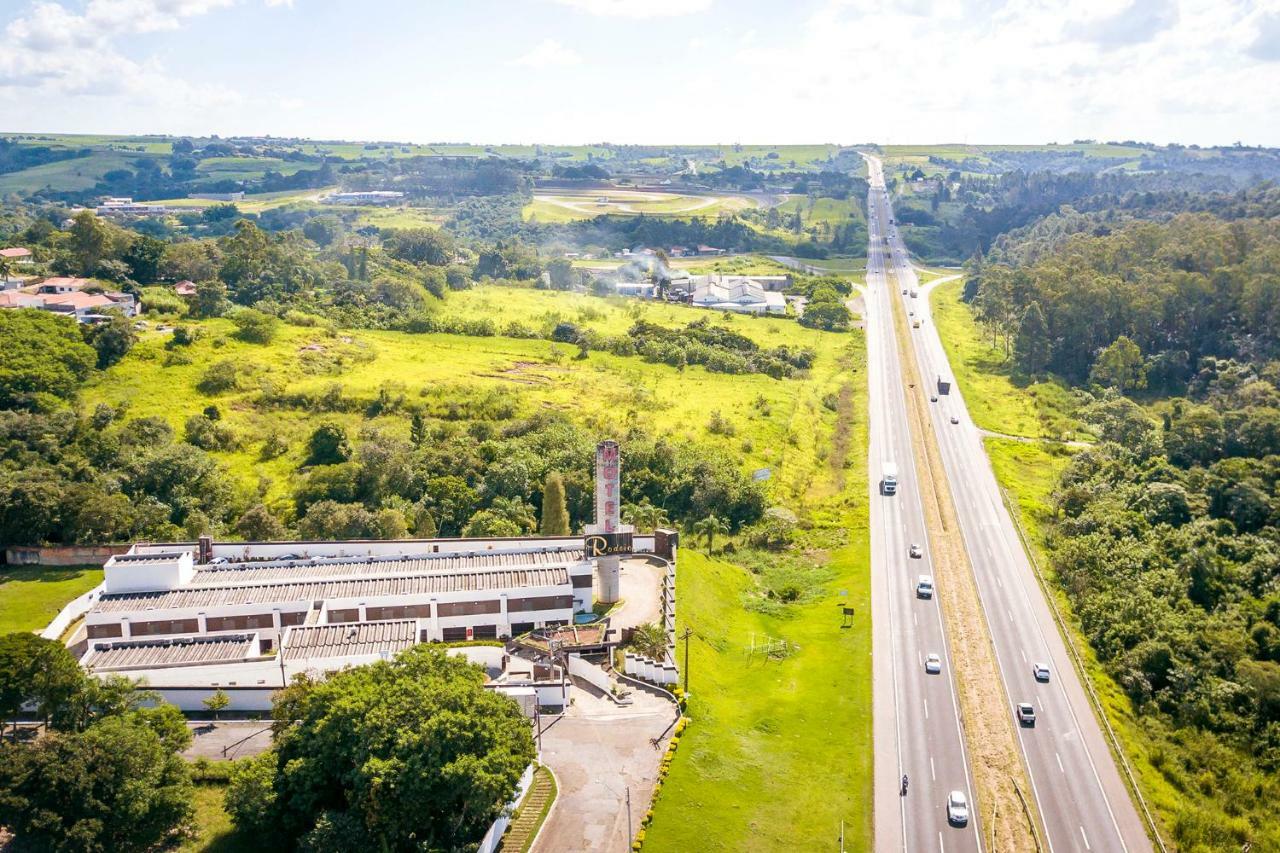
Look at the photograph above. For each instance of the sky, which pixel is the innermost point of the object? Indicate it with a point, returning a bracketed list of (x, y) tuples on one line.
[(647, 71)]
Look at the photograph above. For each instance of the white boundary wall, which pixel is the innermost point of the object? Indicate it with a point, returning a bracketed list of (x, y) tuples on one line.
[(493, 838)]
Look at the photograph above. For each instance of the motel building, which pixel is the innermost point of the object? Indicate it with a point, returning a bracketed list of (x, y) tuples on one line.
[(191, 618)]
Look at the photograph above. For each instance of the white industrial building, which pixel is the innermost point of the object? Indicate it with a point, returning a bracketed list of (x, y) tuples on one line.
[(739, 295)]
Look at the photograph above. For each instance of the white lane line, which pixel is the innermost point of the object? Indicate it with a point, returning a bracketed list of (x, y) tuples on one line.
[(926, 709), (914, 619), (1024, 655), (1060, 767), (942, 847), (1086, 839), (1010, 615), (932, 773)]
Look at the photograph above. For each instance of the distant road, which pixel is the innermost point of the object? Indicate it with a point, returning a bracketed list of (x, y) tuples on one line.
[(1076, 783)]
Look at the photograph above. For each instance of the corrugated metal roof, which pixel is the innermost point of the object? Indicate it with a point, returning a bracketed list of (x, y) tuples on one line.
[(142, 654), (214, 596), (365, 638), (243, 573)]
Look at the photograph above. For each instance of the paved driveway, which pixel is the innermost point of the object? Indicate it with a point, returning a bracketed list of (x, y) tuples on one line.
[(597, 750)]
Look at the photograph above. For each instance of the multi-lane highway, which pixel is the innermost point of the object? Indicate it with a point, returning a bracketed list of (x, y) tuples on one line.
[(916, 718), (1083, 801)]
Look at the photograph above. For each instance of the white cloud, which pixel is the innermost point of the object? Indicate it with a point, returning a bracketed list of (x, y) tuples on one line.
[(61, 52), (638, 8), (549, 53)]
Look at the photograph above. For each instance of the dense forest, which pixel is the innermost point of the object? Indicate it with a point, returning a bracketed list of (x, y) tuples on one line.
[(1164, 534)]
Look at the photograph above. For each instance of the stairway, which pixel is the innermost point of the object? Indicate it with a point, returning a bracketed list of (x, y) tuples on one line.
[(524, 826)]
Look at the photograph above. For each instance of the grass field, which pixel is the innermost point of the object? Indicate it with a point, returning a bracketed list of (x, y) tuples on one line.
[(30, 596), (536, 373), (214, 832), (779, 751), (832, 211), (567, 205), (79, 173), (997, 400), (724, 264)]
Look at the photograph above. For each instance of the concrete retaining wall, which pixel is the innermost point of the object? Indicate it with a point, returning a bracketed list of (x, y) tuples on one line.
[(62, 555)]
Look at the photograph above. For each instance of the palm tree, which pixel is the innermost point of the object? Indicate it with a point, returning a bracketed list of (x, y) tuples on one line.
[(709, 527), (645, 516)]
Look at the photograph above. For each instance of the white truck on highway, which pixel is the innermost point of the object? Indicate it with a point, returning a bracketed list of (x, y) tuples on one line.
[(889, 478)]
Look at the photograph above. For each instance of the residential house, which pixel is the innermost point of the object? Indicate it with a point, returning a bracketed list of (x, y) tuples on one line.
[(17, 255), (185, 288), (62, 284)]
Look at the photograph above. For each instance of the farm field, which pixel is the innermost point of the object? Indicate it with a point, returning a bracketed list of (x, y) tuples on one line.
[(568, 205), (78, 173), (832, 211)]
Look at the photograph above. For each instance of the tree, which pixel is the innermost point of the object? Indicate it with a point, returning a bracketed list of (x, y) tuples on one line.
[(90, 242), (650, 640), (114, 787), (431, 246), (43, 354), (402, 755), (555, 512), (1032, 348), (254, 326), (36, 670), (1120, 366), (112, 340), (644, 515), (257, 524), (328, 445), (708, 528), (143, 259), (216, 701), (210, 299)]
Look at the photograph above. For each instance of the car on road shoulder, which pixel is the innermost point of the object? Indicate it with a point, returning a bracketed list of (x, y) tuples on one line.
[(924, 587), (933, 398), (915, 551), (1026, 714), (954, 419), (1040, 671), (933, 664), (957, 808)]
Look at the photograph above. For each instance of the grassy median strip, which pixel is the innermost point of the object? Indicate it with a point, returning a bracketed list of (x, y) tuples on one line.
[(988, 728)]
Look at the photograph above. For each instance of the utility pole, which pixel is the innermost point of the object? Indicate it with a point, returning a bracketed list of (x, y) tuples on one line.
[(630, 835), (688, 632), (537, 721)]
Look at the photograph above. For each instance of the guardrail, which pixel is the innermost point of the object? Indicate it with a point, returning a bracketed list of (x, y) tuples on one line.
[(1068, 640)]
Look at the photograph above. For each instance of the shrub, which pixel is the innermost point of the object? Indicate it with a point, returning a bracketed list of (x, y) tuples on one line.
[(219, 377), (255, 327)]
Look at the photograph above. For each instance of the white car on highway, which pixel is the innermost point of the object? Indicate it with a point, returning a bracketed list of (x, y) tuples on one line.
[(915, 551), (1040, 671), (957, 808), (924, 587), (933, 664)]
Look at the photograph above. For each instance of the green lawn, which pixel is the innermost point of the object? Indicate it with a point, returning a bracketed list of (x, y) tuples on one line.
[(30, 596), (997, 400)]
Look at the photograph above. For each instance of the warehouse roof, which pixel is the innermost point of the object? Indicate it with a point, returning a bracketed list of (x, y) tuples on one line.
[(143, 654), (230, 574), (308, 591), (365, 638)]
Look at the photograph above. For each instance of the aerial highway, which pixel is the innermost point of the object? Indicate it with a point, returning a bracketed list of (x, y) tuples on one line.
[(916, 718), (1081, 796)]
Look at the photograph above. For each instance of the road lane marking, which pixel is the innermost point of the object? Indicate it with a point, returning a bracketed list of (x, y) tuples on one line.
[(1010, 615), (1086, 839), (926, 709), (942, 847), (1024, 655), (932, 773), (1060, 767)]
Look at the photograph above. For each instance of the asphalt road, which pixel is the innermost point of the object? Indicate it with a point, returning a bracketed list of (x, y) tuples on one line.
[(1082, 798), (916, 716)]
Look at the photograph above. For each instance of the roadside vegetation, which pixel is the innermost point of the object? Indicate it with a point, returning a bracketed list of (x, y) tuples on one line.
[(1161, 538)]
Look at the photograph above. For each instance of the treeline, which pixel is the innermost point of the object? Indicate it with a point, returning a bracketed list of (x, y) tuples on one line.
[(1138, 307), (1166, 542)]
